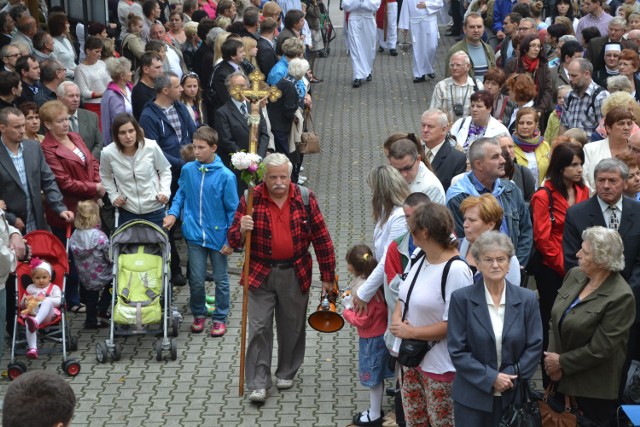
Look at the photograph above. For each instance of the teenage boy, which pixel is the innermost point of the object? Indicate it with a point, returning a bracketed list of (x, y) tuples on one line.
[(207, 193)]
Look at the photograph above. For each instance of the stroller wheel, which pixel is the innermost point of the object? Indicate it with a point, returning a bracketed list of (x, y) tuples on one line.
[(175, 326), (101, 353), (72, 343), (159, 350), (15, 370), (115, 354), (71, 367), (174, 349)]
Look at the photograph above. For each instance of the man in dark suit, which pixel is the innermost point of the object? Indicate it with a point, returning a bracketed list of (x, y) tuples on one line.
[(24, 176), (446, 161), (267, 57), (232, 56), (233, 129), (595, 51), (81, 121), (608, 208)]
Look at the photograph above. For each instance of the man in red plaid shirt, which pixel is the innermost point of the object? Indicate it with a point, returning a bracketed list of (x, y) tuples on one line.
[(280, 274)]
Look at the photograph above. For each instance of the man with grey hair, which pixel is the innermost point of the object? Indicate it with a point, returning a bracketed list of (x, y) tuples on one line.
[(52, 73), (583, 105), (404, 157), (9, 55), (233, 128), (608, 208), (81, 121), (487, 170), (280, 272), (596, 48), (446, 161), (167, 121), (454, 93), (527, 26)]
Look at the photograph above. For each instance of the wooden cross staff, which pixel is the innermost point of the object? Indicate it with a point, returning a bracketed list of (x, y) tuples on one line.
[(256, 93)]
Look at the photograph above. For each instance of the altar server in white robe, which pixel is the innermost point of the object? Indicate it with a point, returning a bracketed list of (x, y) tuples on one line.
[(362, 37), (421, 17)]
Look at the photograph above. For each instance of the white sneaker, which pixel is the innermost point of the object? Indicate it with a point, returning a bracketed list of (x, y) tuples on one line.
[(283, 384), (258, 395)]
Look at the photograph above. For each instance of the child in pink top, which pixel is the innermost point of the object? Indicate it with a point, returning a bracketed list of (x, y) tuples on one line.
[(373, 353)]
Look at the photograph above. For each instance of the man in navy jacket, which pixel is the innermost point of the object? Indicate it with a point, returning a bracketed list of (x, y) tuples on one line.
[(167, 121)]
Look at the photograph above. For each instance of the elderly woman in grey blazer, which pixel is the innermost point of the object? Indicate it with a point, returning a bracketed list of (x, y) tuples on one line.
[(494, 331), (590, 322)]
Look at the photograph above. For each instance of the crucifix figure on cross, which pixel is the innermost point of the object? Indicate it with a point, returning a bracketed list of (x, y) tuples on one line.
[(257, 92)]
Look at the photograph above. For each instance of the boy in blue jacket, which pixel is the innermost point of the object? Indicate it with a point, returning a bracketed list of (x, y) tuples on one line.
[(208, 198)]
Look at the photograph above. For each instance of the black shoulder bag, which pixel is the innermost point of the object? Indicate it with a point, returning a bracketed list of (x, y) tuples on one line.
[(413, 351)]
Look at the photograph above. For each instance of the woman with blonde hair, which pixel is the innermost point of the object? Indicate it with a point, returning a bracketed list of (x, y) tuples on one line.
[(217, 47), (251, 52), (531, 150), (117, 96), (389, 191), (622, 100)]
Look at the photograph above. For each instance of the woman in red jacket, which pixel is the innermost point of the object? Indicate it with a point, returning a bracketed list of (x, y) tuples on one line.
[(565, 185), (77, 175)]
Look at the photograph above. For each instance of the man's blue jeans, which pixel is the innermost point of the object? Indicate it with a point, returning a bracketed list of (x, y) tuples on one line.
[(198, 271)]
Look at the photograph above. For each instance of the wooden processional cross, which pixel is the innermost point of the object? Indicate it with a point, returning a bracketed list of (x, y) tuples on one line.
[(255, 94)]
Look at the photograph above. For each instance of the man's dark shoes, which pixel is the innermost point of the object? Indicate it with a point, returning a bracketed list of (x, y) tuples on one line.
[(357, 83), (432, 75), (380, 49), (357, 419), (369, 77), (419, 79), (452, 33), (393, 52)]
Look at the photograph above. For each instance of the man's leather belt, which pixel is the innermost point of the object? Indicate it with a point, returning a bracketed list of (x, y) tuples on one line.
[(281, 264)]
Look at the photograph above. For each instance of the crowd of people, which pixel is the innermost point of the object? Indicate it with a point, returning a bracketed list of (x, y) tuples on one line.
[(532, 134), (527, 165), (133, 119)]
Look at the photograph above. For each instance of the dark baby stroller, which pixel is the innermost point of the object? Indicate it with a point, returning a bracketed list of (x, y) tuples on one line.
[(47, 247), (141, 252), (326, 28)]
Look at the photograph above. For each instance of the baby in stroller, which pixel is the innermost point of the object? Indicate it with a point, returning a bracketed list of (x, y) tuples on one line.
[(41, 302)]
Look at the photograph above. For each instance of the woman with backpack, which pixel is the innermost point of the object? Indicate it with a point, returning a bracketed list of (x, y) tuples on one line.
[(563, 188), (421, 315)]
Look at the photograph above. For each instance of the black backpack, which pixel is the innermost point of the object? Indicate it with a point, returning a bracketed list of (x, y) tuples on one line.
[(445, 273)]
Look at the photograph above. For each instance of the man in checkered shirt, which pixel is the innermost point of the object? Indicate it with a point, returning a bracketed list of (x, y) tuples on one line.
[(283, 226), (583, 105)]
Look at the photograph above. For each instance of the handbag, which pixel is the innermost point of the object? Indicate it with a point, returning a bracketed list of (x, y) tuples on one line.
[(560, 413), (524, 413), (411, 351), (310, 140)]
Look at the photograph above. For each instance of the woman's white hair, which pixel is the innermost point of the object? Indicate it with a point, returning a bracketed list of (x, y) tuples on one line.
[(298, 68), (116, 67), (492, 241), (277, 159), (606, 247)]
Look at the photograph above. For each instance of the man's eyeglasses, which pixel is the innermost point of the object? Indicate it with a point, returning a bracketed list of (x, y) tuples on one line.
[(524, 28), (15, 55), (407, 168)]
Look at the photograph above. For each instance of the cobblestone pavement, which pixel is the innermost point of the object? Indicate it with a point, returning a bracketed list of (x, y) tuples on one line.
[(201, 387)]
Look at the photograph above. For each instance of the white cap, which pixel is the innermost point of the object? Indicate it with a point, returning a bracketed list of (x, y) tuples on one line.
[(612, 46)]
